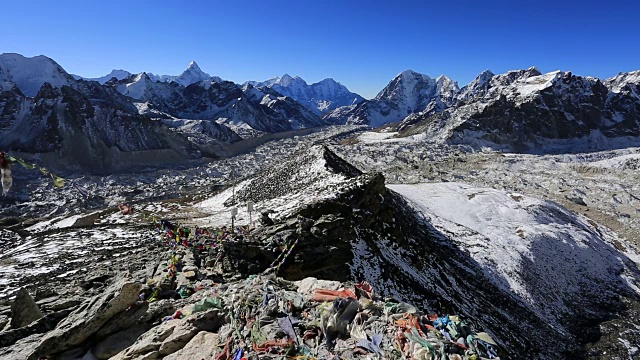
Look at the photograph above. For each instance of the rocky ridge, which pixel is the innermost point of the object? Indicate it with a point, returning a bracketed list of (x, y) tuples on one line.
[(526, 111), (346, 226)]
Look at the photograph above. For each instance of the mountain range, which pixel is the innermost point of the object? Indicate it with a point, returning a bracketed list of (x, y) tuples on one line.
[(321, 97), (44, 109)]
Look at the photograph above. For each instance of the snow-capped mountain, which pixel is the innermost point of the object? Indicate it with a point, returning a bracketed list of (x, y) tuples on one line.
[(247, 110), (525, 110), (409, 92), (191, 75), (43, 109), (320, 97), (118, 74), (631, 80), (163, 95), (194, 74), (29, 74), (266, 110), (102, 132)]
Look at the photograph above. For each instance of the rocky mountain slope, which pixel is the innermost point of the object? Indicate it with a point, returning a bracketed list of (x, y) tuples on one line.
[(320, 97), (246, 110), (409, 92), (107, 127), (82, 123), (522, 269), (531, 112), (382, 235)]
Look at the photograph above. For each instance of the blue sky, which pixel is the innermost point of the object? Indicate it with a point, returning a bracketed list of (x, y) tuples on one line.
[(362, 44)]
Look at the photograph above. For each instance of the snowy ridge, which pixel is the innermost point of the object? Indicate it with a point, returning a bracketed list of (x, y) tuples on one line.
[(29, 74), (118, 74), (320, 97), (192, 74), (247, 111), (409, 92), (528, 246), (618, 82), (525, 110), (286, 187)]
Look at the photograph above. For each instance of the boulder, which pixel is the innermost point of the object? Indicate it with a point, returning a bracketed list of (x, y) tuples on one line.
[(202, 346), (24, 310), (171, 336), (308, 285), (88, 318)]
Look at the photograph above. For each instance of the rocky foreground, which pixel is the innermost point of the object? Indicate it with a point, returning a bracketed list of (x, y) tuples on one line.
[(392, 264)]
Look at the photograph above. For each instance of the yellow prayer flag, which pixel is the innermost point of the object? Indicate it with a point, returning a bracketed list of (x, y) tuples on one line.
[(22, 162), (57, 181)]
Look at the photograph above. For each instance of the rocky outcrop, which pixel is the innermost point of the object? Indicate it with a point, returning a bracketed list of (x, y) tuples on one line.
[(24, 310), (171, 336), (88, 319), (40, 326), (202, 346)]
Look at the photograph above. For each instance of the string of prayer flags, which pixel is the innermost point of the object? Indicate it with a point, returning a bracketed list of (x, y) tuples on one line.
[(58, 181)]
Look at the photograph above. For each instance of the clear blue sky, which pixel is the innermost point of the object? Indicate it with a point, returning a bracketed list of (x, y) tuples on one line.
[(361, 43)]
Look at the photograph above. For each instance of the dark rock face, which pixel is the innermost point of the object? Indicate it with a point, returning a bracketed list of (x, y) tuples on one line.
[(87, 127)]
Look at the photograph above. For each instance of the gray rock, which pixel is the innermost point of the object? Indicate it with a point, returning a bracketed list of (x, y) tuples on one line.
[(21, 349), (88, 318), (24, 310), (117, 342), (4, 320), (308, 285), (171, 336), (40, 326), (62, 304), (145, 313), (202, 346)]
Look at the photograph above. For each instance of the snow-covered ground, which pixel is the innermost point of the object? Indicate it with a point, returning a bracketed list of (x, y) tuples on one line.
[(300, 182), (528, 246), (607, 182)]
